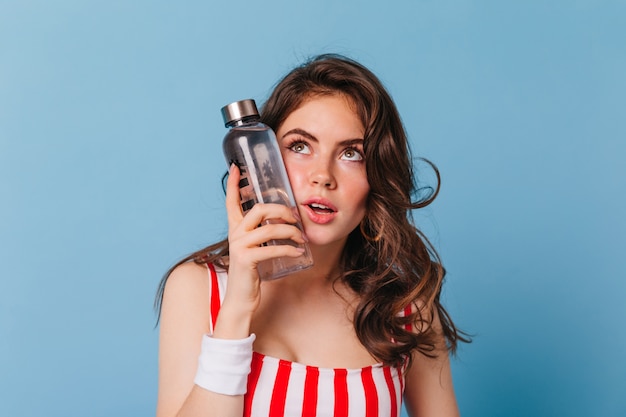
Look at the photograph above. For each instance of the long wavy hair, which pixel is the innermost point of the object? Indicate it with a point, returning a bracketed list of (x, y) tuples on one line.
[(387, 261)]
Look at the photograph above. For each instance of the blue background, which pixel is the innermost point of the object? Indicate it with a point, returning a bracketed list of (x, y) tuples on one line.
[(110, 163)]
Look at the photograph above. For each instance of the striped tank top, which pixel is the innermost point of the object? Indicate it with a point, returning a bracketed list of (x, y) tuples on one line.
[(278, 387)]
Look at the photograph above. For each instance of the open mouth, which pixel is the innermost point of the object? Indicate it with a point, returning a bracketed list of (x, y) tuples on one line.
[(320, 208)]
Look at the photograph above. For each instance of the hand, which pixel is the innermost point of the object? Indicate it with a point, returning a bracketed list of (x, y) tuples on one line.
[(245, 238)]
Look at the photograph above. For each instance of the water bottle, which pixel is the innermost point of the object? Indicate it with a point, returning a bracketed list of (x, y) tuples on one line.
[(253, 147)]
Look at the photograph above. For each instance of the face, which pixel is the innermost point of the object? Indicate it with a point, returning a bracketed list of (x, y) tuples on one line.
[(322, 146)]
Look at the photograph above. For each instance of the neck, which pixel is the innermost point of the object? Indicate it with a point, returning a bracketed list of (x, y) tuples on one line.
[(326, 260), (322, 274)]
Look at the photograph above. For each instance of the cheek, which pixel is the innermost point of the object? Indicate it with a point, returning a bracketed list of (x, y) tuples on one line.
[(360, 184), (294, 173), (359, 190)]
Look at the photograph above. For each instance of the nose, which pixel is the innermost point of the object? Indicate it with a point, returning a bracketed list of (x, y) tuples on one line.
[(322, 175)]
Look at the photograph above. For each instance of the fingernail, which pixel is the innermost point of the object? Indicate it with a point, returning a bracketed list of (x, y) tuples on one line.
[(304, 236)]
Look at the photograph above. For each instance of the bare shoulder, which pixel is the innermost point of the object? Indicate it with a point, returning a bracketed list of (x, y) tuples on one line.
[(184, 319), (429, 389), (186, 292), (186, 277)]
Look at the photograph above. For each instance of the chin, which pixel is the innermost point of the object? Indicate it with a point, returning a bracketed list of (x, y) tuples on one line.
[(323, 240)]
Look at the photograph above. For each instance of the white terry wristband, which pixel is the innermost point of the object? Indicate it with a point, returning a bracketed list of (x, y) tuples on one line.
[(224, 365)]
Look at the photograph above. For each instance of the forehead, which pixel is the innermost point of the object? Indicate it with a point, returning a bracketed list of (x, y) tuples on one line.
[(323, 112)]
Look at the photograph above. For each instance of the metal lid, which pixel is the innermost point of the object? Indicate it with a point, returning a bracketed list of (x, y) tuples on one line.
[(238, 110)]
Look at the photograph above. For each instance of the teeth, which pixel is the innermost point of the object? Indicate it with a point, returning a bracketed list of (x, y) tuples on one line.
[(320, 206)]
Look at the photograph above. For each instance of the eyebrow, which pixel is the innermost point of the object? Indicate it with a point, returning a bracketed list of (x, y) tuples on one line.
[(298, 131)]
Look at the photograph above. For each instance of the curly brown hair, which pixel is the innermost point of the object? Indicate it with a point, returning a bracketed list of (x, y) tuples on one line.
[(387, 261)]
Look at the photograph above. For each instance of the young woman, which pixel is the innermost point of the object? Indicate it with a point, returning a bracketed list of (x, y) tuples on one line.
[(351, 336)]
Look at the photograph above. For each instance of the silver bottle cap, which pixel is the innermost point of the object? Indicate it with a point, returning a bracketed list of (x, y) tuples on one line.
[(239, 110)]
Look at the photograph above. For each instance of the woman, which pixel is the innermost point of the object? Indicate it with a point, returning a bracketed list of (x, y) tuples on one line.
[(353, 334)]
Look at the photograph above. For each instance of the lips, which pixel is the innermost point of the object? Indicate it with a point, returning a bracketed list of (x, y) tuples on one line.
[(319, 210)]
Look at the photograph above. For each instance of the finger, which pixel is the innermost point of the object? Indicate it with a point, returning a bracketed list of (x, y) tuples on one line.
[(268, 213), (270, 232), (262, 253), (233, 200)]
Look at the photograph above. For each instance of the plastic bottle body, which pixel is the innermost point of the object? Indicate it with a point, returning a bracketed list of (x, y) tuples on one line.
[(253, 147)]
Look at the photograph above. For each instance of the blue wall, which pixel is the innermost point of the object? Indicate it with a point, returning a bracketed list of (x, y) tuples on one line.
[(110, 164)]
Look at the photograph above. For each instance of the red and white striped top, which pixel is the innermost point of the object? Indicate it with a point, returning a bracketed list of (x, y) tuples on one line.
[(277, 387)]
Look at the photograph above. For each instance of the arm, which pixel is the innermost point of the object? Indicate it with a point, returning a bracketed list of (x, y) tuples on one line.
[(184, 319), (185, 311), (429, 390)]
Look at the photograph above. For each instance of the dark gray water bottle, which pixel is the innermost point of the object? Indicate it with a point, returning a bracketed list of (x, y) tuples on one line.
[(253, 147)]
